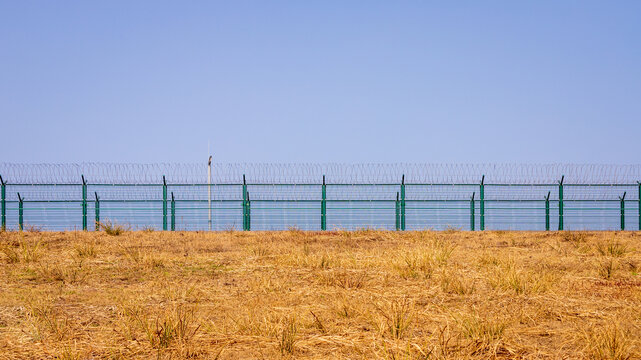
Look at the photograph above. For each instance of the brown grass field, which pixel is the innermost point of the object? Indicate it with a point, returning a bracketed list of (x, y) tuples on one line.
[(331, 295)]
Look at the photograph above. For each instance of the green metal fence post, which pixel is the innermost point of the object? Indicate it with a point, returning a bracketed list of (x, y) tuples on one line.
[(561, 203), (173, 212), (547, 212), (3, 199), (324, 206), (20, 213), (248, 213), (97, 208), (403, 203), (472, 212), (244, 204), (398, 212), (164, 203), (639, 207), (622, 199), (482, 202), (84, 203)]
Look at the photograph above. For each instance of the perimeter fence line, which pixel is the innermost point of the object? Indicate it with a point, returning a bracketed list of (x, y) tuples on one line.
[(321, 205)]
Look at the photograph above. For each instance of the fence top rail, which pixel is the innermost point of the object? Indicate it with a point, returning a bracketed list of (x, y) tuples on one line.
[(197, 173), (159, 184), (319, 200)]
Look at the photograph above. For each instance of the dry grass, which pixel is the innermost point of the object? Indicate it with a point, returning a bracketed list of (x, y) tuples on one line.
[(359, 295), (114, 229)]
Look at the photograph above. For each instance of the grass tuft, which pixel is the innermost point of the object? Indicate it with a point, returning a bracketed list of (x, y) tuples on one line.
[(453, 282), (112, 228), (574, 237), (287, 338), (611, 248), (177, 325), (23, 250), (508, 276), (397, 315), (609, 342), (606, 268), (484, 332)]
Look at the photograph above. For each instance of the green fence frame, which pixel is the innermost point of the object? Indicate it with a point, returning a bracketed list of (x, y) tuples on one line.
[(97, 210), (561, 203), (472, 212), (20, 213), (403, 203), (84, 203), (249, 213), (324, 206), (3, 200), (400, 202), (622, 200), (547, 212), (482, 203), (164, 203), (173, 212), (245, 228)]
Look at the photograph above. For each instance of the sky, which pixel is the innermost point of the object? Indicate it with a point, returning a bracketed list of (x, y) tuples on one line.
[(320, 81)]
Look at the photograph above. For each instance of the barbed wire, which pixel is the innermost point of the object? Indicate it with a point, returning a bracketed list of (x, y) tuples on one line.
[(312, 173)]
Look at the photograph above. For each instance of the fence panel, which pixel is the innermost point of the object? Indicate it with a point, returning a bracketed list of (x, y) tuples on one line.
[(278, 197)]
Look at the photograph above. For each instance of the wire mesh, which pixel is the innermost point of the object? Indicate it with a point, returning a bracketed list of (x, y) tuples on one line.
[(436, 196)]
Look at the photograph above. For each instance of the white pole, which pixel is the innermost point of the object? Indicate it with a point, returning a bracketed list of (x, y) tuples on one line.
[(209, 189)]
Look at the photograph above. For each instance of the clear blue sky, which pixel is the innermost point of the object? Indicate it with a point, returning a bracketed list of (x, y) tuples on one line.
[(320, 81)]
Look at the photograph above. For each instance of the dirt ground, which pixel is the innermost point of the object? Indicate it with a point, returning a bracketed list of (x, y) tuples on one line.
[(323, 295)]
